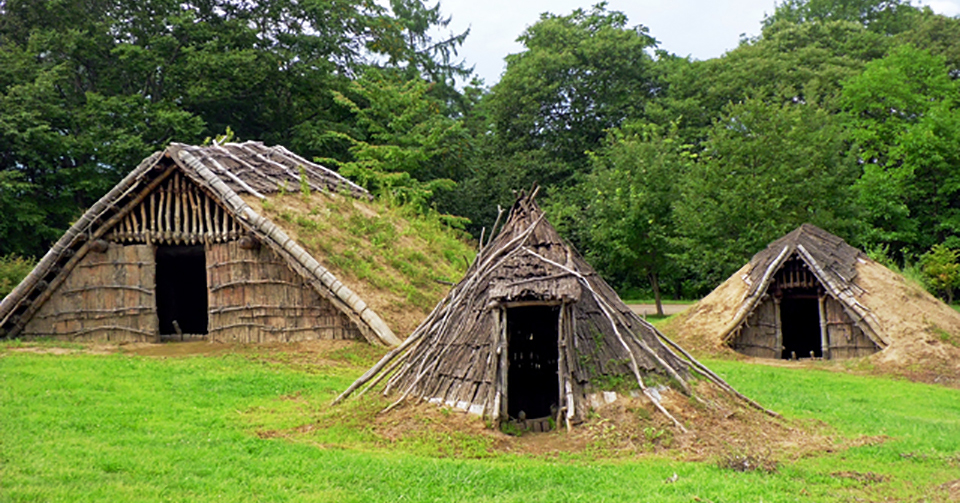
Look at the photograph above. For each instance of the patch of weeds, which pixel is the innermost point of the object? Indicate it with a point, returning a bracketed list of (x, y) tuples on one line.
[(311, 224), (359, 354), (943, 335), (622, 383), (740, 461), (304, 184), (512, 428), (863, 478), (416, 297), (658, 436), (642, 413)]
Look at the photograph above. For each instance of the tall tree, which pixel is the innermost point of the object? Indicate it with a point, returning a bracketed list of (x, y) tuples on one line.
[(578, 76), (622, 210), (789, 62), (765, 169), (904, 115), (887, 17), (407, 147)]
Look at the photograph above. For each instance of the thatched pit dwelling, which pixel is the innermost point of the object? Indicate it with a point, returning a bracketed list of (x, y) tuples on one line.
[(810, 294), (530, 333), (174, 253)]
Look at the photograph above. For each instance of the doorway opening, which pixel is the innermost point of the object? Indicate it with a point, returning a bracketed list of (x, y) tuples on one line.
[(532, 383), (800, 324), (181, 292)]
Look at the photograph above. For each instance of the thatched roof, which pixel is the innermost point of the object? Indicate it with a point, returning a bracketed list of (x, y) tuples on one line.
[(829, 258), (457, 356), (894, 313), (225, 172)]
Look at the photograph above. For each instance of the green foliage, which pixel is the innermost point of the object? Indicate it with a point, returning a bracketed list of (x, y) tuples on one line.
[(903, 114), (579, 75), (941, 270), (795, 63), (410, 148), (886, 17), (765, 170), (621, 213), (13, 268)]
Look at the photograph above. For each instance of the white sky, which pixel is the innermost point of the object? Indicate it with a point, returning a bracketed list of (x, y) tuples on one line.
[(702, 29)]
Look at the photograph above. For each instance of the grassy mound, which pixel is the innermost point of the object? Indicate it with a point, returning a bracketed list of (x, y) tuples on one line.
[(399, 262)]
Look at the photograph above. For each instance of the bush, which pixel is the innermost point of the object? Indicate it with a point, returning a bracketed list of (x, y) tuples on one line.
[(13, 268), (941, 271)]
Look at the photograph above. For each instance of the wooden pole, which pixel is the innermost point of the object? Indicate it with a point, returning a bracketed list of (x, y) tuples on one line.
[(824, 345), (777, 329)]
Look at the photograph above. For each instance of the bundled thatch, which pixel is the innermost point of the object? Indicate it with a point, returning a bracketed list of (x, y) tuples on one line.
[(462, 354), (858, 307), (101, 274)]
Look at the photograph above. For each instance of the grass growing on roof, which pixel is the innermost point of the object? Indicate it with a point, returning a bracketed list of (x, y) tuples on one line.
[(399, 261), (243, 426)]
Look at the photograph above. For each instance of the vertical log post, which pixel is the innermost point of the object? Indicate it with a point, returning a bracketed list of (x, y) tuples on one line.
[(824, 344), (562, 374), (777, 328), (504, 364)]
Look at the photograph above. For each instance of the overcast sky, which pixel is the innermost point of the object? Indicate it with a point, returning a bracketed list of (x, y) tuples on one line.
[(702, 29)]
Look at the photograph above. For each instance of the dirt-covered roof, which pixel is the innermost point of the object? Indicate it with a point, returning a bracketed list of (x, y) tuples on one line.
[(910, 325)]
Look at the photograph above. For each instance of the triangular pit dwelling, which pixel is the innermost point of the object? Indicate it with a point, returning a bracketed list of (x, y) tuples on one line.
[(810, 294), (530, 333), (173, 252)]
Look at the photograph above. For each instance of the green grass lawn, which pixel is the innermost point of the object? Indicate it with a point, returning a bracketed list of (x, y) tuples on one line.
[(117, 427)]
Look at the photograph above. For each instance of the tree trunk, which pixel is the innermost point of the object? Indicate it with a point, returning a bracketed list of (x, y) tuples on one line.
[(655, 286)]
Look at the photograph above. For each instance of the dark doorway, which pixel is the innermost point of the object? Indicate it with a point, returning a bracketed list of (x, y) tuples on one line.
[(800, 324), (181, 291), (532, 383)]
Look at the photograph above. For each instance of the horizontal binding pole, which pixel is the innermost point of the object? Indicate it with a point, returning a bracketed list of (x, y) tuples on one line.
[(221, 310), (101, 264), (244, 261), (80, 333), (267, 328), (100, 313), (107, 287), (255, 282)]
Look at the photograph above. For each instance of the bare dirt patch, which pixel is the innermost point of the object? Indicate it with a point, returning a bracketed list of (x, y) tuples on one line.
[(718, 427), (952, 490)]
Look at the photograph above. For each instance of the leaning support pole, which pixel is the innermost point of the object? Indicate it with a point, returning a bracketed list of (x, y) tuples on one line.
[(606, 309), (376, 368), (714, 378)]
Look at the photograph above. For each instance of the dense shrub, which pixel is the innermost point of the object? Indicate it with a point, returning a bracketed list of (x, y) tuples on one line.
[(13, 268)]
